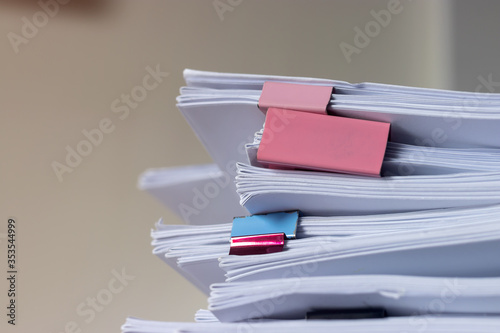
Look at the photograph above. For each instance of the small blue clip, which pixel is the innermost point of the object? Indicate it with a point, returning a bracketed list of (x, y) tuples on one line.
[(272, 223)]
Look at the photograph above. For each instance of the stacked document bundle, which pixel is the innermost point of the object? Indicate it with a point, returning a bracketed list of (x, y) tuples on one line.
[(319, 239)]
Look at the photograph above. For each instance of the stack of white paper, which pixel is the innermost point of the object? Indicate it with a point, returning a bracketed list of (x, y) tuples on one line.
[(222, 110), (421, 241), (197, 193), (418, 116), (200, 253), (320, 193), (405, 160), (292, 298), (469, 250), (428, 324)]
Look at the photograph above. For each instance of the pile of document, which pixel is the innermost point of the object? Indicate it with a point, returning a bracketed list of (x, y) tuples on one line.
[(417, 249)]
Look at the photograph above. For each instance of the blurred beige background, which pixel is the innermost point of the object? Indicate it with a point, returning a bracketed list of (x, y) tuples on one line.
[(75, 235)]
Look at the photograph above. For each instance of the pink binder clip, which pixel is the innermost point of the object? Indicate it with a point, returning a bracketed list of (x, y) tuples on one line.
[(321, 142), (257, 244), (301, 97)]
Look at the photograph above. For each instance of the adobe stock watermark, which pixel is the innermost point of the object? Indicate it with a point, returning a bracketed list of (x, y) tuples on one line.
[(121, 107), (88, 309), (453, 120), (275, 125), (31, 27), (450, 292), (295, 274), (202, 197), (223, 6), (363, 37), (440, 134)]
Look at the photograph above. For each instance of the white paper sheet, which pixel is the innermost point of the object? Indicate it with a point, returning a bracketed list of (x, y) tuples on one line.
[(292, 298), (429, 324), (198, 194)]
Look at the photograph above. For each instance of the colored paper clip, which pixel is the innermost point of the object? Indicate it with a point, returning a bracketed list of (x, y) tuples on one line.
[(301, 97), (324, 143), (272, 223), (263, 233), (367, 313), (258, 244)]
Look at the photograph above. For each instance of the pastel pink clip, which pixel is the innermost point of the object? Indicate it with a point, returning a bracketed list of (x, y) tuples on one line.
[(293, 96), (326, 143)]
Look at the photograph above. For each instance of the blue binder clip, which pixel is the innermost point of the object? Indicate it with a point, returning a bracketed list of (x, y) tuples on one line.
[(272, 223), (265, 233)]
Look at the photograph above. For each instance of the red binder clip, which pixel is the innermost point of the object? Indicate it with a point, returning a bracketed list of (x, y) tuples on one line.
[(262, 233), (257, 244)]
